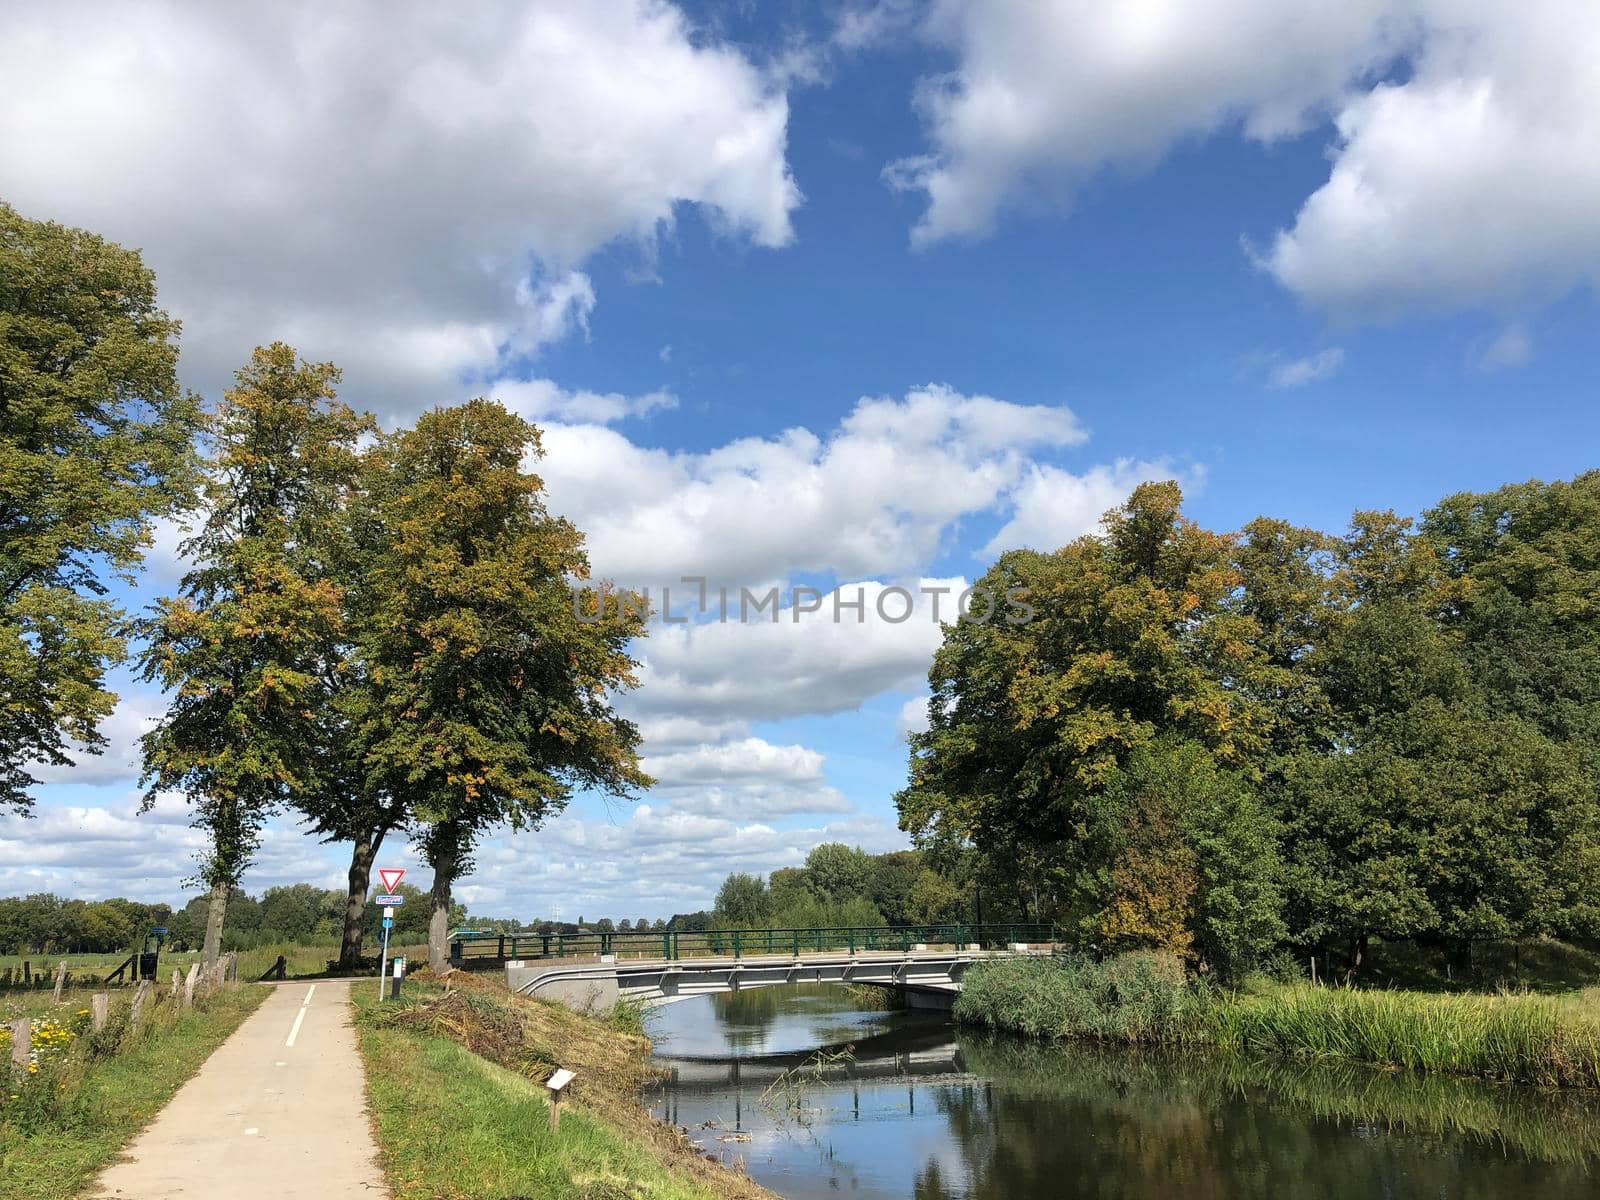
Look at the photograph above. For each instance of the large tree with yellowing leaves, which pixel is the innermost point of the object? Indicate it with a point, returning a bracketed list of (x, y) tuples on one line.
[(488, 693), (249, 649)]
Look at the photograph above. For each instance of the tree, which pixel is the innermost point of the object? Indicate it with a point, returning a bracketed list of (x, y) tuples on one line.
[(488, 697), (835, 871), (742, 901), (1526, 601), (1191, 859), (299, 913), (94, 446), (246, 648), (891, 881), (1136, 633)]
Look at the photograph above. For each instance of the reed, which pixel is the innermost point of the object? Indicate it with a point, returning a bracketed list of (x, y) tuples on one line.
[(1144, 998)]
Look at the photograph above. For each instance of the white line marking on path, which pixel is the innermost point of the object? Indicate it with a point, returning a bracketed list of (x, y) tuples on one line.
[(294, 1030)]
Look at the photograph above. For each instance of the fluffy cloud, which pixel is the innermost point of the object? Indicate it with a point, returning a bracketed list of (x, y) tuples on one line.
[(1314, 368), (914, 716), (1474, 181), (875, 497), (816, 665), (1044, 95), (410, 198), (1053, 506), (94, 851), (542, 400), (656, 861), (748, 778), (1463, 172), (119, 760)]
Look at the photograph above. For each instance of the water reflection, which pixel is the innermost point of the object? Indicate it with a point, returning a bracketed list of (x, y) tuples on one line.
[(926, 1110)]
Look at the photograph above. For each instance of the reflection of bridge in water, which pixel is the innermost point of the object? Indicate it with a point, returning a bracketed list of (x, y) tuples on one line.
[(894, 1054)]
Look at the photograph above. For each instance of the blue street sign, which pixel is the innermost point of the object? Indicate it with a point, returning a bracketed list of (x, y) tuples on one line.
[(388, 921)]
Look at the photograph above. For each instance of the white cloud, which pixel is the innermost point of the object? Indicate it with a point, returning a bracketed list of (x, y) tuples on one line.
[(1512, 347), (817, 665), (542, 400), (1463, 173), (1045, 95), (1473, 181), (749, 758), (874, 497), (409, 197), (654, 862), (914, 717), (94, 851), (1054, 507), (119, 761), (1314, 368)]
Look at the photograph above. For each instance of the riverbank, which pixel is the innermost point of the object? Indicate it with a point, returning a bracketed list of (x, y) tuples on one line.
[(455, 1079), (1145, 999)]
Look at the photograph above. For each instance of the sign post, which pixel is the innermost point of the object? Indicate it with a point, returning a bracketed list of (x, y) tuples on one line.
[(383, 962), (391, 877)]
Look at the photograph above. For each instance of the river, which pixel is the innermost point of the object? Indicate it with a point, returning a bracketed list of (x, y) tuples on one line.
[(816, 1097)]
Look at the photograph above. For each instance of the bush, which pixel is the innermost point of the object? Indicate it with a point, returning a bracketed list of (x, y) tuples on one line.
[(1138, 996)]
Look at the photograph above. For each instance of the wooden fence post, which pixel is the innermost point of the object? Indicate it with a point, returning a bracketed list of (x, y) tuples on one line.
[(140, 996), (175, 979), (21, 1042), (27, 972), (99, 1010), (188, 985), (61, 981)]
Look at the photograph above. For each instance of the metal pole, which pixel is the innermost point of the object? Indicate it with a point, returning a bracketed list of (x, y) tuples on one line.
[(383, 962)]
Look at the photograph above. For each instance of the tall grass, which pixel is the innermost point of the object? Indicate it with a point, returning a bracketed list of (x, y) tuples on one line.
[(1523, 1038), (1145, 998)]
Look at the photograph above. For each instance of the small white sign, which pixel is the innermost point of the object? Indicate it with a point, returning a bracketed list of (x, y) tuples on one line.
[(388, 901), (559, 1080)]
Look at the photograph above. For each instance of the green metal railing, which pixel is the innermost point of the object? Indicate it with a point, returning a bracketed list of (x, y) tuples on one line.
[(673, 945)]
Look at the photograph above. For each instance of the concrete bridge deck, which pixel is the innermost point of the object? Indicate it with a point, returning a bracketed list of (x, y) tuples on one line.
[(929, 978)]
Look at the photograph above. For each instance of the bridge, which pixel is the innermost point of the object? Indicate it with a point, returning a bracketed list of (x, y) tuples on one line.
[(924, 964)]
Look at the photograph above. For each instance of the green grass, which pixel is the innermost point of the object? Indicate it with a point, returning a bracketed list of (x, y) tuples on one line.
[(453, 1126), (1543, 1040), (54, 1138)]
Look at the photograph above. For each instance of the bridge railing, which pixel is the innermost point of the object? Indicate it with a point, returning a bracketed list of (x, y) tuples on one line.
[(672, 945)]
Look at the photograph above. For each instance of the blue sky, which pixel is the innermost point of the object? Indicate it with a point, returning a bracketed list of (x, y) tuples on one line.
[(836, 294)]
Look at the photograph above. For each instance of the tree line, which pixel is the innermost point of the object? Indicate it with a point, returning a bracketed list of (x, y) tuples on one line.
[(300, 913), (1225, 743), (375, 631), (840, 886)]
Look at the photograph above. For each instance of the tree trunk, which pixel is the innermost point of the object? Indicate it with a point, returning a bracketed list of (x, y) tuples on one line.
[(361, 860), (443, 858), (214, 915)]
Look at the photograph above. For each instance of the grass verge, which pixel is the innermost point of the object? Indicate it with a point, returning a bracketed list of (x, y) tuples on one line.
[(456, 1087), (1142, 998), (73, 1117)]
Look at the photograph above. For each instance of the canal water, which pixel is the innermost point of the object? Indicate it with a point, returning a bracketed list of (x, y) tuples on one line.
[(817, 1097)]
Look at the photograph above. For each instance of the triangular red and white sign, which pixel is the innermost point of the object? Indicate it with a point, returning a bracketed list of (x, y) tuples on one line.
[(391, 877)]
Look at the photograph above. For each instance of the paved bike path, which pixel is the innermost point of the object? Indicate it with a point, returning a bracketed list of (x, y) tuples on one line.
[(278, 1112)]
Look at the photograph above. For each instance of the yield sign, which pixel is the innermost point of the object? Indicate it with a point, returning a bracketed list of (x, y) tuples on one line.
[(391, 877)]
